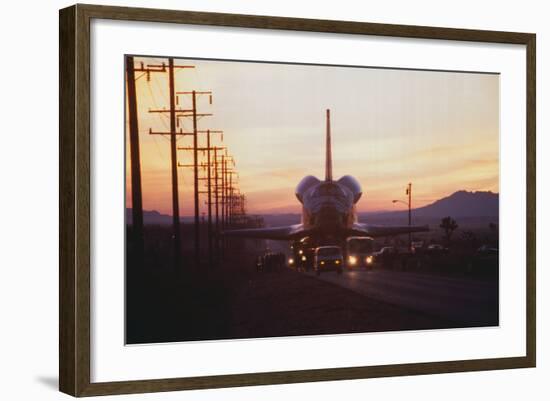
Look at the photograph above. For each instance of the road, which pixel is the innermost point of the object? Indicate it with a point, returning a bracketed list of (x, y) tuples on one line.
[(464, 301)]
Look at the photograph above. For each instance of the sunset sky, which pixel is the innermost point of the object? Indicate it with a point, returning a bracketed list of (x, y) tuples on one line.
[(438, 130)]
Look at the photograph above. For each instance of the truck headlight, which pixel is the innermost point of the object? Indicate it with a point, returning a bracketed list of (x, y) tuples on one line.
[(369, 260), (352, 260), (337, 262)]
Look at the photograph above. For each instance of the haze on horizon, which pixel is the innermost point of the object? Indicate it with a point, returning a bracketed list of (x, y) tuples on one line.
[(438, 130)]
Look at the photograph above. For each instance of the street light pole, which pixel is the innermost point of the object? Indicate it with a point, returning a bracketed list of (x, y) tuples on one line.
[(408, 192)]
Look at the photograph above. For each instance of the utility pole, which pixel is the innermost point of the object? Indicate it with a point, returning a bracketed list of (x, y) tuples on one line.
[(228, 172), (173, 113), (224, 201), (223, 173), (224, 185), (409, 193), (137, 204), (229, 198), (217, 164), (217, 202), (209, 199), (174, 161), (231, 204), (196, 179), (209, 186), (195, 116), (208, 167), (239, 212)]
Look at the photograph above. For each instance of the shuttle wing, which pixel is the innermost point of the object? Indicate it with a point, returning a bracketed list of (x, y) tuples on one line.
[(297, 231), (386, 231), (276, 233)]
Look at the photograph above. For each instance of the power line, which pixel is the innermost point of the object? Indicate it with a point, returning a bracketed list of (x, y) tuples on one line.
[(162, 68)]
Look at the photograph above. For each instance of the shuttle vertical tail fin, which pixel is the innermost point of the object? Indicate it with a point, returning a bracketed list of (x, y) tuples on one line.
[(328, 159)]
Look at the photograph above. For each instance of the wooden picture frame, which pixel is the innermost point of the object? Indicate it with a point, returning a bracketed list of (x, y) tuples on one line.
[(74, 204)]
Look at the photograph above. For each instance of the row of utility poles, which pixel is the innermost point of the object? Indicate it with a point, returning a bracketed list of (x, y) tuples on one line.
[(223, 199)]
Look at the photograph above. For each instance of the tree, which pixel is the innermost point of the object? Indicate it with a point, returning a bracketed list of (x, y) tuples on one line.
[(448, 225)]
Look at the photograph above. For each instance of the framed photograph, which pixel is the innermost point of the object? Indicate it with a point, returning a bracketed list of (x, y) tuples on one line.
[(250, 200)]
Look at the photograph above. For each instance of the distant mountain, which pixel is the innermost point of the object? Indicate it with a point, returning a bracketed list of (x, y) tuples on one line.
[(463, 204), (469, 209), (150, 217), (458, 205)]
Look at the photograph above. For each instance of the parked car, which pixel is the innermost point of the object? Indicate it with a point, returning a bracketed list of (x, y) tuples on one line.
[(328, 258), (387, 250), (436, 249), (486, 250), (385, 256)]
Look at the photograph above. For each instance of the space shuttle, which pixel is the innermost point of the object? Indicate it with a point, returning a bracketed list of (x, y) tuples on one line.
[(328, 210)]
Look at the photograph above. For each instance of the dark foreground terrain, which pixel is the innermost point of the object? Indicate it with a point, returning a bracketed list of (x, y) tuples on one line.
[(227, 303)]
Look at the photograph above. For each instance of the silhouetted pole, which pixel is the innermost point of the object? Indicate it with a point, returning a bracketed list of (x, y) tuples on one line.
[(223, 177), (174, 167), (409, 192), (137, 204), (207, 166), (231, 200), (196, 179), (219, 181), (216, 200), (195, 133), (232, 196), (173, 114), (224, 200), (209, 198)]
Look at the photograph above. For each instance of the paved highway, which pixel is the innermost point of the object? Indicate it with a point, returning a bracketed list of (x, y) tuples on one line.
[(462, 301)]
